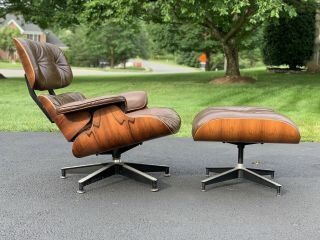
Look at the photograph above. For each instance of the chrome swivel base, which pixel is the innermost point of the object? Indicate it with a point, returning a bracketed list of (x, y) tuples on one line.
[(240, 171), (103, 170)]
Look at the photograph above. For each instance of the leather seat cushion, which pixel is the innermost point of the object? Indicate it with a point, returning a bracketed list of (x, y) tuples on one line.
[(244, 124), (166, 115)]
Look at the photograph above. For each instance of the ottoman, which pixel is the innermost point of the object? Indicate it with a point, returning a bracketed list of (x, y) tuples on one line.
[(243, 126)]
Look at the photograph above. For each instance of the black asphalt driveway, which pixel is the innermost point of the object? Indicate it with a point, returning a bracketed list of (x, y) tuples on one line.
[(36, 204)]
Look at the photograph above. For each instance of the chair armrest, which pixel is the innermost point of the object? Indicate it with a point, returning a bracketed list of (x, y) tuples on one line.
[(92, 103), (135, 100)]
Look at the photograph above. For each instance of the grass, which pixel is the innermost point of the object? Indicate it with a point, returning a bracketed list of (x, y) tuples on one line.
[(295, 95), (8, 65)]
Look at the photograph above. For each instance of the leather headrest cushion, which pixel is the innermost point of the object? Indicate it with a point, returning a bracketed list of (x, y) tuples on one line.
[(45, 64)]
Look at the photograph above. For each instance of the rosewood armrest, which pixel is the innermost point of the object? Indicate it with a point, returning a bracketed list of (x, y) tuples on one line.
[(92, 103)]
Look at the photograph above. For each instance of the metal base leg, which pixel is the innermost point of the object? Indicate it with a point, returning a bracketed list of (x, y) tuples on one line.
[(228, 175), (255, 175), (263, 172), (101, 171), (217, 170), (241, 172), (128, 170), (100, 174), (81, 169), (150, 168)]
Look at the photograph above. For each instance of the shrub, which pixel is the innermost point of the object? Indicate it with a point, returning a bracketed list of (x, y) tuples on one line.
[(290, 41)]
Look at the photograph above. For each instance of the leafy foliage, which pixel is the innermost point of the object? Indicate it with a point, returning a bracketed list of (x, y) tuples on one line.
[(6, 35), (226, 21), (290, 41), (186, 41), (109, 42), (48, 13)]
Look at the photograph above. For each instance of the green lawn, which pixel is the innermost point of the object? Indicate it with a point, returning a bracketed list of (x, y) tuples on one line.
[(295, 95), (8, 65)]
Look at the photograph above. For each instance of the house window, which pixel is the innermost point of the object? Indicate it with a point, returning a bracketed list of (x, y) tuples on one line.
[(34, 37)]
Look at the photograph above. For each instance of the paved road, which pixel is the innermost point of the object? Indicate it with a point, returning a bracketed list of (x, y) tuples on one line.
[(167, 68), (157, 68), (36, 204)]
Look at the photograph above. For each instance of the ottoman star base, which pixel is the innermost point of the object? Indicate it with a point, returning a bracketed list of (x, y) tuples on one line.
[(239, 171), (243, 126)]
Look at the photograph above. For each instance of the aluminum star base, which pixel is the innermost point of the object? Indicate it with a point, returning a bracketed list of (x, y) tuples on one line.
[(103, 170), (239, 171)]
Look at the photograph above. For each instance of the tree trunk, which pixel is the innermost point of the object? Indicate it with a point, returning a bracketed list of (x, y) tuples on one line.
[(293, 66), (11, 55), (112, 58), (208, 63), (231, 52)]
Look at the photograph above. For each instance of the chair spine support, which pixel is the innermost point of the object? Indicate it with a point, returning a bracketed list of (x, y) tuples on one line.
[(36, 100)]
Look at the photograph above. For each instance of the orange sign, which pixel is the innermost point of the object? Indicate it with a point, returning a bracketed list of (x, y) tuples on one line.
[(203, 57)]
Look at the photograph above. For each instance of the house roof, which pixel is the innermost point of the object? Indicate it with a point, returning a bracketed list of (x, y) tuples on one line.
[(30, 28), (25, 27)]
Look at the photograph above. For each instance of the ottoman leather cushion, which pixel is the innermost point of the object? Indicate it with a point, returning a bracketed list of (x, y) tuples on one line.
[(244, 124)]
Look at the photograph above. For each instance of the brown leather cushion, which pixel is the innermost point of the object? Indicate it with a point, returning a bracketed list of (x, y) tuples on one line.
[(45, 64), (166, 115), (244, 124)]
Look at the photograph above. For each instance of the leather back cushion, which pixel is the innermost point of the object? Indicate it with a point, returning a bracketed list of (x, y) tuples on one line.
[(45, 64)]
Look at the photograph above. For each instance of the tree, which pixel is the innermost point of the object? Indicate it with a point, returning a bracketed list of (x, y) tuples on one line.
[(108, 42), (6, 43), (290, 41), (123, 41), (62, 12), (187, 41), (227, 21), (251, 49)]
